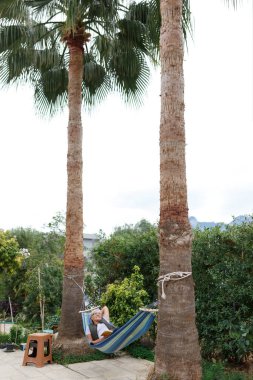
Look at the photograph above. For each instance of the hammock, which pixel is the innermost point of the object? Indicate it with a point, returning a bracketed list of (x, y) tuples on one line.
[(125, 335)]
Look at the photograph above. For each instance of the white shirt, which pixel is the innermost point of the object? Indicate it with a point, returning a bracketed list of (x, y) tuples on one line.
[(101, 327)]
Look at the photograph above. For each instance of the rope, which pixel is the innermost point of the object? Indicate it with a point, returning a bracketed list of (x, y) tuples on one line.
[(173, 276), (71, 277)]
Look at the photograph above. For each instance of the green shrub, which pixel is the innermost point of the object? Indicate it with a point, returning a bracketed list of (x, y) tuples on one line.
[(52, 321), (222, 270), (18, 334), (125, 298), (217, 371), (5, 338), (113, 258)]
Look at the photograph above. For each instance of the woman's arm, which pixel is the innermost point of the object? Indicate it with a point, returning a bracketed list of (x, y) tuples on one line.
[(89, 337), (105, 313)]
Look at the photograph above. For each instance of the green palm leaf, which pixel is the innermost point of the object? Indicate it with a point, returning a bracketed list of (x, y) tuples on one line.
[(12, 37), (51, 90), (120, 40)]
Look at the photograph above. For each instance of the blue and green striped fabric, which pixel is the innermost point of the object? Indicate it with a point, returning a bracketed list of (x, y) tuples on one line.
[(125, 335)]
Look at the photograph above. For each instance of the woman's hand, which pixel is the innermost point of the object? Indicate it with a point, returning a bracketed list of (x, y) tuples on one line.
[(98, 340)]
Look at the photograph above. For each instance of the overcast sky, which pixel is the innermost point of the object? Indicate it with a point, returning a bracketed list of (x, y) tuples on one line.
[(121, 145)]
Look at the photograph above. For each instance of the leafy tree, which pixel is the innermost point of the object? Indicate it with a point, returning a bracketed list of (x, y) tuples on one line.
[(39, 251), (125, 298), (51, 242), (10, 262), (9, 253), (114, 258), (42, 283), (58, 224)]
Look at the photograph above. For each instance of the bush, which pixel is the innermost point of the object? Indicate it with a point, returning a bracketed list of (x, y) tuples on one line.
[(217, 371), (5, 338), (18, 334), (222, 271), (114, 258), (125, 298)]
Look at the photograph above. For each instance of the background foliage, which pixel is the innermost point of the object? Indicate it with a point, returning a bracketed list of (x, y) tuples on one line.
[(122, 272), (223, 269), (125, 298), (37, 251), (114, 257), (9, 253)]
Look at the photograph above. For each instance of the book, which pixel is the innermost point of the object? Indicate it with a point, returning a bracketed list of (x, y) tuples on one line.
[(106, 333)]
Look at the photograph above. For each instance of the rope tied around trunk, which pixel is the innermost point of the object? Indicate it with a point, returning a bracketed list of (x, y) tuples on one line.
[(71, 277), (173, 276)]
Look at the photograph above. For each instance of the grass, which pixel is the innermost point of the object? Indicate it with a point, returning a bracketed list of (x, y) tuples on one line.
[(140, 352), (217, 371), (71, 359)]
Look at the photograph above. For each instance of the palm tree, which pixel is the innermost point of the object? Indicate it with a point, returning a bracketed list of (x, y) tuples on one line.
[(75, 51), (177, 349)]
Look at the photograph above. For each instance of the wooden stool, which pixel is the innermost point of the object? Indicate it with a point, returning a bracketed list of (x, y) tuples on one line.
[(41, 346)]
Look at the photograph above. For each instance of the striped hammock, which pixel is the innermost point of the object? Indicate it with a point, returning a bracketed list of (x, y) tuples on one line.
[(125, 335)]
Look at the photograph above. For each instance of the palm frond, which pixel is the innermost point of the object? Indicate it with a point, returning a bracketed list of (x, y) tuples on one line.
[(13, 10), (103, 9), (186, 20), (96, 82), (43, 10), (12, 36), (130, 73), (90, 99), (4, 72), (15, 69), (133, 33), (51, 91), (148, 13), (46, 59), (94, 75), (114, 60), (17, 66)]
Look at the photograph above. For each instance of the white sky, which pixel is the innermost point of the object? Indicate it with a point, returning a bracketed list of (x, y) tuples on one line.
[(121, 145)]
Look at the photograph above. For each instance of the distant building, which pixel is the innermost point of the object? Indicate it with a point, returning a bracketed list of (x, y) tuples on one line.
[(89, 241)]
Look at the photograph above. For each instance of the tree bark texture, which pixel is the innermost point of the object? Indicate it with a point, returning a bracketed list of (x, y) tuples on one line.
[(177, 348), (70, 330)]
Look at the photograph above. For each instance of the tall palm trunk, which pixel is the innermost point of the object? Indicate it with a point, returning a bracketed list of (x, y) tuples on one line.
[(70, 330), (177, 350)]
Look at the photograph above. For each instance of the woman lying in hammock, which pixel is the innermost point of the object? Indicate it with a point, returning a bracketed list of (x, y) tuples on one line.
[(100, 328)]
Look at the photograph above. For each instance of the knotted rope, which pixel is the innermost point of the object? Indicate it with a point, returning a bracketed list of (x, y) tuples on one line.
[(173, 276)]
